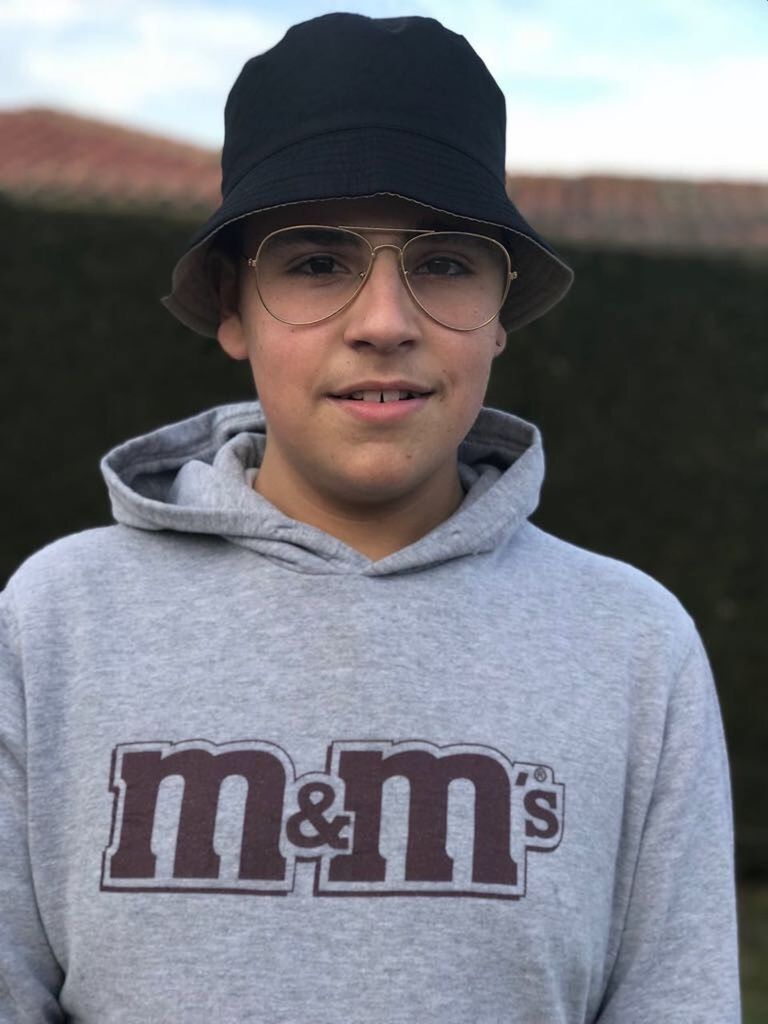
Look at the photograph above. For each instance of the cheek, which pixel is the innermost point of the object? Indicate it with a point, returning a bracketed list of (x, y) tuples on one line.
[(466, 381), (477, 371), (270, 357), (285, 376), (472, 369)]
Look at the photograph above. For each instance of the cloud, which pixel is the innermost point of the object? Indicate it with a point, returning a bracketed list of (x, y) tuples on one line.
[(41, 13), (671, 90), (136, 61), (677, 121)]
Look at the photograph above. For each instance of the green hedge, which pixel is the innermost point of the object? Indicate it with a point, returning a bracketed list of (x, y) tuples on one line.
[(648, 382)]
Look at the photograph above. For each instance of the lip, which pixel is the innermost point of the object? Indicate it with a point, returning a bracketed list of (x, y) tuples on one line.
[(380, 412), (381, 385)]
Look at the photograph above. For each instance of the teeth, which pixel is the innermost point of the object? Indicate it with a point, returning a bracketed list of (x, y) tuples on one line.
[(380, 396)]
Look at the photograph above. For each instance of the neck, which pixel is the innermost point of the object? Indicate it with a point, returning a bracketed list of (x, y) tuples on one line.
[(375, 529)]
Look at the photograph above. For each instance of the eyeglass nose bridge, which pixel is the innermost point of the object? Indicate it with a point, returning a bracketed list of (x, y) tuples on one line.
[(386, 245), (375, 250), (402, 272)]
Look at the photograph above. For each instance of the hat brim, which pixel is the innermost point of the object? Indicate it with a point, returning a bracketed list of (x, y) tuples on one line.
[(365, 162)]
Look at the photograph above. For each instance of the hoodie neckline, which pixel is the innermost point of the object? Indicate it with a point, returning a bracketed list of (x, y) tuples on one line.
[(193, 477)]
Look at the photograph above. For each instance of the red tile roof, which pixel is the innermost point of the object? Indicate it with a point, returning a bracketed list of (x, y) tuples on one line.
[(645, 212), (49, 155)]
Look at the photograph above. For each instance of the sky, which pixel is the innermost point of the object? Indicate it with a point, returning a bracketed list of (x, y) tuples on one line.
[(666, 88)]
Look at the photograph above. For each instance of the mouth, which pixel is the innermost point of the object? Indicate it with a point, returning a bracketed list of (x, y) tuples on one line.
[(381, 394), (382, 404)]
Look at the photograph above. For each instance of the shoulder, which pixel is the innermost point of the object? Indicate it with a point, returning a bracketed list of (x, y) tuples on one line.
[(606, 597), (73, 556), (99, 561), (585, 570)]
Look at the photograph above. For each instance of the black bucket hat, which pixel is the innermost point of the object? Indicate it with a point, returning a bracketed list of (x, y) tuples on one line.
[(347, 106)]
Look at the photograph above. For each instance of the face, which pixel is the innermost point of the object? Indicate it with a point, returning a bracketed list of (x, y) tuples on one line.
[(340, 453)]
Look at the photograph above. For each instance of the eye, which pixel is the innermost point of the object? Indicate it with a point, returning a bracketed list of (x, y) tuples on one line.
[(318, 265), (441, 266)]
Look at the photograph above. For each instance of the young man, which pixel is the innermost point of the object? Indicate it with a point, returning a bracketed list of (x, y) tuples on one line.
[(324, 726)]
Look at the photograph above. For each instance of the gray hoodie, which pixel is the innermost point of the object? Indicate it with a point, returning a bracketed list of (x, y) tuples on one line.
[(248, 774)]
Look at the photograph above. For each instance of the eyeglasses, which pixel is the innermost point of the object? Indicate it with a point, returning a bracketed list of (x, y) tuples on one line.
[(307, 273)]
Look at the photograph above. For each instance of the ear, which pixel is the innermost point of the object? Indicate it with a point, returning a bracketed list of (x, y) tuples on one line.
[(231, 333), (232, 336), (501, 340)]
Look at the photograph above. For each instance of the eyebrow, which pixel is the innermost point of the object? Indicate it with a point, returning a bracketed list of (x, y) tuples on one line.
[(470, 228), (315, 235), (425, 225)]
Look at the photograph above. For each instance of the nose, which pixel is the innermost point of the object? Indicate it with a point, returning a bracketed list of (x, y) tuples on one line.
[(383, 313)]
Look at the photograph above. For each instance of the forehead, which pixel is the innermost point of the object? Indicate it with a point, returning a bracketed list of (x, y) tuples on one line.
[(377, 211)]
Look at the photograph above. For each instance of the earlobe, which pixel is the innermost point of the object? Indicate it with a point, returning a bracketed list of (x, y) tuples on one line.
[(230, 333), (501, 340), (232, 336)]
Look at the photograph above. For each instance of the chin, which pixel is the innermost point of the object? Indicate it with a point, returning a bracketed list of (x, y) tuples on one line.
[(387, 482), (375, 489)]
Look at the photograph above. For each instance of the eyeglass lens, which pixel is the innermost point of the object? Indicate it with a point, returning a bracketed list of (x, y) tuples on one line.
[(306, 274)]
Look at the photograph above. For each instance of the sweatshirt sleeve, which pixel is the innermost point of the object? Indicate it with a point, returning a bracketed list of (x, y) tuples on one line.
[(677, 961), (30, 976)]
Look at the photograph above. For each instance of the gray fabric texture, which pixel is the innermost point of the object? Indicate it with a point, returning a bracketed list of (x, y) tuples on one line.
[(248, 774)]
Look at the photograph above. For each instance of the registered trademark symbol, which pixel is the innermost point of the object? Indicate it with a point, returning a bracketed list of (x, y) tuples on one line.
[(540, 775)]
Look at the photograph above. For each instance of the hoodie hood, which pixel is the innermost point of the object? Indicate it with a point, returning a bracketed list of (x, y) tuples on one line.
[(196, 476)]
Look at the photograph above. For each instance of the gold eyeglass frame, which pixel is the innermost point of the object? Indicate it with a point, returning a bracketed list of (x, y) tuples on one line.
[(374, 250)]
